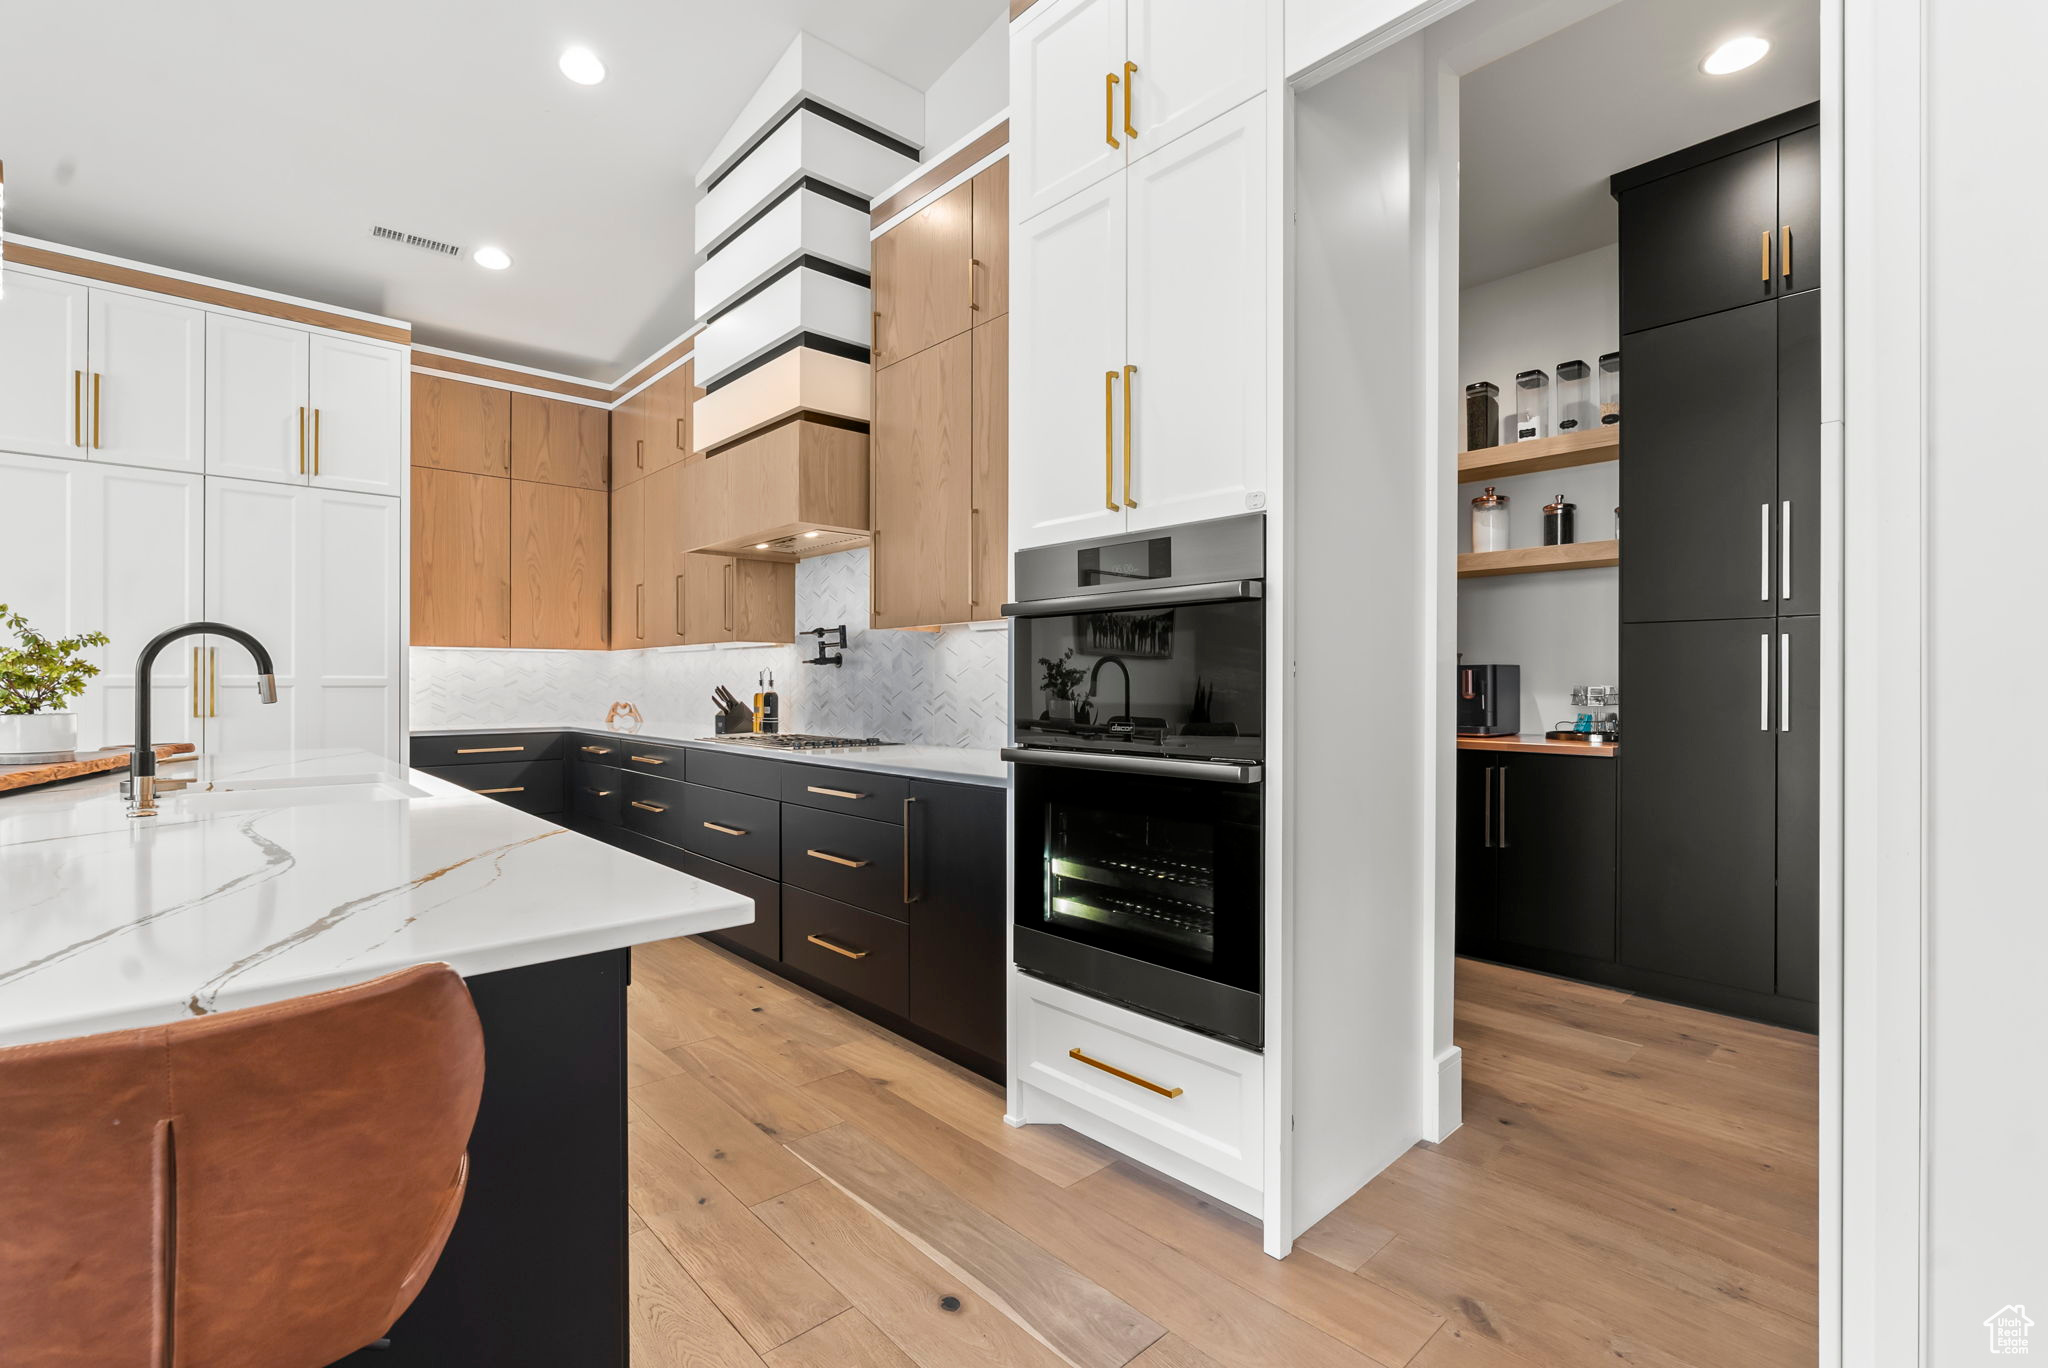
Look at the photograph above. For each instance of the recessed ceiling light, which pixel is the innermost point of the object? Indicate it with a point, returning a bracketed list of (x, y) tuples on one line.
[(1735, 54), (491, 258), (811, 534), (580, 65), (760, 546)]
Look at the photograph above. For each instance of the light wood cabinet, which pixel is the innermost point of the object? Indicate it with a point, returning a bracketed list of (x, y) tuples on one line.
[(463, 427), (668, 404), (461, 558), (922, 495), (801, 487), (989, 581), (991, 295), (559, 566), (560, 443), (628, 566), (923, 277), (629, 440), (661, 504)]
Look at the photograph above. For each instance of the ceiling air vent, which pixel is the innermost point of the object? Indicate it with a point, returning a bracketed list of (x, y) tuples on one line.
[(425, 244)]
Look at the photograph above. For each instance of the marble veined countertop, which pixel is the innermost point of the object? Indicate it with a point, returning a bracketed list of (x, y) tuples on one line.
[(947, 764), (282, 874)]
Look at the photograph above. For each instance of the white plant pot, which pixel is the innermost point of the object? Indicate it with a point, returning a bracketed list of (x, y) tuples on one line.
[(49, 738)]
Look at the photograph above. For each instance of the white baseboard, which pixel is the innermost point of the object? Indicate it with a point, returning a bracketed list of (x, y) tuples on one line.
[(1446, 1100)]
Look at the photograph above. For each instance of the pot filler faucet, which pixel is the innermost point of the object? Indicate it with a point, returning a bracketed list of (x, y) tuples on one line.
[(142, 781)]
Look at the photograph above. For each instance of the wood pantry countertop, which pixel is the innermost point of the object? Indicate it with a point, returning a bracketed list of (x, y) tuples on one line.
[(1536, 743)]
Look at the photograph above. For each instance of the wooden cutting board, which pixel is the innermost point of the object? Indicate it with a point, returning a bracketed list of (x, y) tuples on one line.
[(91, 762)]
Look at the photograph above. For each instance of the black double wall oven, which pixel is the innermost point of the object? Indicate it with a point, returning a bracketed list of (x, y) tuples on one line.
[(1139, 711)]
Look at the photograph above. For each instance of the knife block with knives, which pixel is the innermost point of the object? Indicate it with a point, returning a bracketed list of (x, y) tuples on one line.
[(733, 716)]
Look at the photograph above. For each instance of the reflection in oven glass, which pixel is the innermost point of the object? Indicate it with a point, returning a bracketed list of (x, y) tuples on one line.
[(1117, 877)]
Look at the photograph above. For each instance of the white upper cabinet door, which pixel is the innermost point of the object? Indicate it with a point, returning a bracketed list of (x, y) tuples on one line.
[(1066, 369), (147, 382), (258, 554), (258, 416), (348, 676), (1066, 118), (1193, 59), (359, 397), (1198, 270), (114, 550), (42, 366)]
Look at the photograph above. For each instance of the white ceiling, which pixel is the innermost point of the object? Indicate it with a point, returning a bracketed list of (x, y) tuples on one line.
[(1544, 127), (259, 140)]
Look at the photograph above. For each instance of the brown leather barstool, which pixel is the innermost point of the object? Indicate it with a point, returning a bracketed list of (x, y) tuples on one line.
[(267, 1188)]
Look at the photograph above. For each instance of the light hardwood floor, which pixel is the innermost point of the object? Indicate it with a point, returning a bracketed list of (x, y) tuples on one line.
[(1634, 1183)]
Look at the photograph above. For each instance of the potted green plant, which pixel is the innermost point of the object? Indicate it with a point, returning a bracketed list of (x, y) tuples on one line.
[(1058, 684), (38, 676)]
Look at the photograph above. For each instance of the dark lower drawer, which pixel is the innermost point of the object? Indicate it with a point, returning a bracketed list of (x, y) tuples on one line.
[(496, 749), (653, 807), (740, 773), (763, 935), (597, 793), (849, 858), (867, 955), (857, 793), (733, 828), (648, 758), (529, 785), (600, 750)]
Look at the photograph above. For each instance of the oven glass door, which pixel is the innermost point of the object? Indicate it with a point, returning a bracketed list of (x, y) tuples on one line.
[(1166, 871), (1184, 681)]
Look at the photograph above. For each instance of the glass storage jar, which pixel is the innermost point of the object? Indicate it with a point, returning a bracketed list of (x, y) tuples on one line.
[(1574, 396), (1559, 523), (1532, 405), (1482, 415), (1490, 521), (1610, 388)]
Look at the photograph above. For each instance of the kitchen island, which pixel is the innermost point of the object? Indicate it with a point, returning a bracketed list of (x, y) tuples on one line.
[(277, 875)]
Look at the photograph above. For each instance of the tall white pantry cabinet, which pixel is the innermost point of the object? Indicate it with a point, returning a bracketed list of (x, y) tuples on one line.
[(166, 461)]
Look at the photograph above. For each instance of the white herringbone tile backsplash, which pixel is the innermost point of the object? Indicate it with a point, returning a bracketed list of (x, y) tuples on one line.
[(946, 688)]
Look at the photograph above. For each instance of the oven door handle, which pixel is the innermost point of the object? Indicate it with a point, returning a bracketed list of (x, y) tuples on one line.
[(1214, 771), (1171, 596)]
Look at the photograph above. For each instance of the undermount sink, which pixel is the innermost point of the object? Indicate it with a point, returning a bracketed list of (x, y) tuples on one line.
[(242, 795)]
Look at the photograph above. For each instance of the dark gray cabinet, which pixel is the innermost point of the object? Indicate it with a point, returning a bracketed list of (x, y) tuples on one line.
[(1798, 261), (957, 883), (1536, 857), (1797, 513), (1798, 775)]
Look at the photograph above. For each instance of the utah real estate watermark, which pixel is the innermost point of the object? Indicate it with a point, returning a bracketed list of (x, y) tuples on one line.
[(2008, 1327)]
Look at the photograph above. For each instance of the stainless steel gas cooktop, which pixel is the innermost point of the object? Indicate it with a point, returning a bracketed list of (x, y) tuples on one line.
[(798, 741)]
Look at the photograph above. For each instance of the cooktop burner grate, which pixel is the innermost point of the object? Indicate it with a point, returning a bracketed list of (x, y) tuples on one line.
[(798, 741)]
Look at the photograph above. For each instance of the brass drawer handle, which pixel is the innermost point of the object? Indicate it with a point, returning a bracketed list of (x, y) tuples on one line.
[(486, 750), (725, 830), (836, 948), (648, 759), (837, 859), (648, 807), (1145, 1083), (833, 793), (518, 789), (597, 750), (598, 793)]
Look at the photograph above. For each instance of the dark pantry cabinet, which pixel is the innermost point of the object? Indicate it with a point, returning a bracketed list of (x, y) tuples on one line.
[(1536, 858)]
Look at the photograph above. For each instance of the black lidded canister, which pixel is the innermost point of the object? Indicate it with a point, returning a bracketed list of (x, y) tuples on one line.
[(1558, 522), (1482, 415)]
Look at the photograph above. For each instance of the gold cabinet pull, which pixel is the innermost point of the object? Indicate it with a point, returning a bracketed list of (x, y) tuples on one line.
[(640, 612), (725, 830), (836, 948), (1765, 273), (973, 300), (830, 858), (196, 710), (730, 578), (1129, 371), (487, 750), (1785, 251), (96, 444), (682, 621), (302, 439), (1130, 70), (907, 899), (598, 793), (1109, 110), (213, 681), (648, 807), (1109, 440), (597, 750), (640, 452), (517, 788), (834, 793), (648, 759), (316, 441), (1115, 1072), (77, 405)]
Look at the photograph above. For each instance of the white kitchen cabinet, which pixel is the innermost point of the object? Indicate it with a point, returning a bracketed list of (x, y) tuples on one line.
[(112, 549), (313, 574), (1190, 60), (145, 387), (1197, 323), (43, 365), (1066, 366), (257, 400), (1065, 116), (300, 407), (359, 391)]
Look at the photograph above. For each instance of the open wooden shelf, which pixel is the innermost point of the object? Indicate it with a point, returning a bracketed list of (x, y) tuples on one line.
[(1540, 453), (1534, 560)]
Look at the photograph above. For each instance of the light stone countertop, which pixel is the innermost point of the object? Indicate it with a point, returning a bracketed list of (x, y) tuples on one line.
[(946, 764)]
